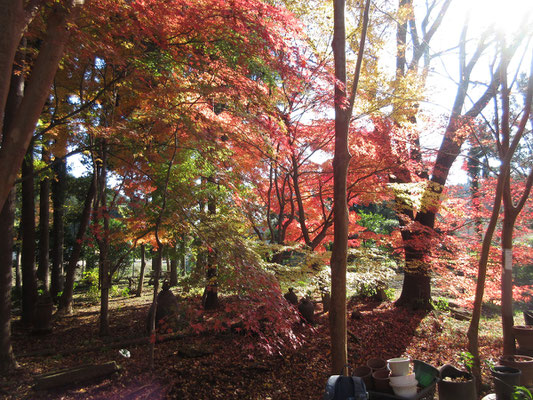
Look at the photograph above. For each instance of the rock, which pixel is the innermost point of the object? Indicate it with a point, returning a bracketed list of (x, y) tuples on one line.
[(356, 314), (167, 308), (291, 297), (307, 310)]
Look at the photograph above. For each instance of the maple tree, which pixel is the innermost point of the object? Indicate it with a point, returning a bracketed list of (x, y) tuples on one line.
[(507, 136), (101, 47), (418, 225)]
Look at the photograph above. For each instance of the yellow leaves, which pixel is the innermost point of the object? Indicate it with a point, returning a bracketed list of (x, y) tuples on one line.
[(418, 196)]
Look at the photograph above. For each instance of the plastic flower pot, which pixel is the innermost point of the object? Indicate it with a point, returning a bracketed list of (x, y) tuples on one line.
[(403, 380), (399, 365), (455, 384), (377, 364), (524, 364), (381, 381), (505, 378), (365, 373), (406, 390), (524, 336)]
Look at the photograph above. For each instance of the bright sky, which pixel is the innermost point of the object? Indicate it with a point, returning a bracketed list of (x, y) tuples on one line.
[(501, 15), (505, 14)]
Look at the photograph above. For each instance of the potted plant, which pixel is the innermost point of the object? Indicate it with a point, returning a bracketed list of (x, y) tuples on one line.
[(524, 336), (505, 380), (456, 384), (524, 364)]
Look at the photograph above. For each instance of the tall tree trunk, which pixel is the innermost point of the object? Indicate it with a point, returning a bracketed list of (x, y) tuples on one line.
[(43, 270), (341, 160), (210, 297), (156, 268), (27, 223), (58, 228), (141, 273), (507, 284), (473, 328), (105, 286), (18, 278), (7, 220), (65, 303), (102, 214), (183, 265)]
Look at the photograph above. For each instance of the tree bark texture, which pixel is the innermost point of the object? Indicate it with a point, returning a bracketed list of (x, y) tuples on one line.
[(102, 217), (141, 273), (43, 270), (7, 234), (27, 223), (58, 227)]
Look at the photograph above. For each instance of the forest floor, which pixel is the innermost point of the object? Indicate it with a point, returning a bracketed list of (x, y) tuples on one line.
[(225, 365)]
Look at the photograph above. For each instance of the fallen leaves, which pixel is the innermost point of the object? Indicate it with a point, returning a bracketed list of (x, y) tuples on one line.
[(225, 365)]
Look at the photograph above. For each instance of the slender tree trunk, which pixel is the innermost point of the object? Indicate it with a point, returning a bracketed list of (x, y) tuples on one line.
[(18, 278), (105, 285), (102, 214), (473, 328), (65, 303), (507, 284), (156, 268), (183, 266), (141, 273), (43, 271), (341, 160), (210, 297), (58, 228), (29, 281)]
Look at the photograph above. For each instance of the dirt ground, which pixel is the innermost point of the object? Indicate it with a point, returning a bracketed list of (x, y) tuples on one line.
[(225, 365)]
